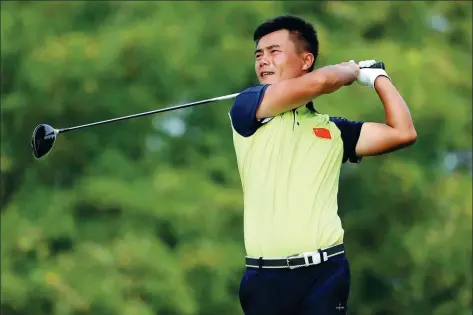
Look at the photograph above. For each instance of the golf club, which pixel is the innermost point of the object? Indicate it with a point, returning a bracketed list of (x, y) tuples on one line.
[(44, 136)]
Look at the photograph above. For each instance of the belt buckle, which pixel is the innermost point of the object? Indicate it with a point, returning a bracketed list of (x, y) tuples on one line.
[(316, 258)]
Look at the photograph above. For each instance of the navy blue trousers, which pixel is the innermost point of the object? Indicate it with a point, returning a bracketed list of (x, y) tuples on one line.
[(316, 290)]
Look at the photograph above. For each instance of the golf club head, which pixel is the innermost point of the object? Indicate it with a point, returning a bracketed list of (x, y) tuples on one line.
[(42, 142)]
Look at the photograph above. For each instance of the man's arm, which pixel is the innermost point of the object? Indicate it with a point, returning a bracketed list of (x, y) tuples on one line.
[(285, 95), (398, 131)]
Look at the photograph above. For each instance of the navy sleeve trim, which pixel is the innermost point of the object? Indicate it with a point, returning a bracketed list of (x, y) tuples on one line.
[(243, 111), (350, 132)]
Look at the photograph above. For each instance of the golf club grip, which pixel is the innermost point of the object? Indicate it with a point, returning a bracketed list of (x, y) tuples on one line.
[(378, 65)]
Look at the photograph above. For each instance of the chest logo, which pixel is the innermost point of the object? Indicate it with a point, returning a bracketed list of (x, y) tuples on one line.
[(322, 133)]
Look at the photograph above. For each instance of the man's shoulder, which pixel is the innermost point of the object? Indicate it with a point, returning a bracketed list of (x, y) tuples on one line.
[(243, 110), (350, 131), (253, 89), (344, 123), (249, 96)]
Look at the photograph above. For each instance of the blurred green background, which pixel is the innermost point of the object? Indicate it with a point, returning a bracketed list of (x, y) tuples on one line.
[(144, 216)]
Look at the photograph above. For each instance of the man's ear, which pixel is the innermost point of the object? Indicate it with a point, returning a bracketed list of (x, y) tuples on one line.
[(308, 60)]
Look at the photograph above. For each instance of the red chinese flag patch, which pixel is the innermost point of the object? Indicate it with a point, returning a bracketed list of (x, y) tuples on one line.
[(322, 133)]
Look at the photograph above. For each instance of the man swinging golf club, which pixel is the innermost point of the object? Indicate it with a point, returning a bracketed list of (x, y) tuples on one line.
[(289, 157)]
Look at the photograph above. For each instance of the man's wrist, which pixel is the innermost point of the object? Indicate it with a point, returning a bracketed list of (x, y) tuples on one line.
[(381, 81)]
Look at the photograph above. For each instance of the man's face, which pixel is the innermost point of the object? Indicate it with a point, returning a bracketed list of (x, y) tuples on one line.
[(277, 58)]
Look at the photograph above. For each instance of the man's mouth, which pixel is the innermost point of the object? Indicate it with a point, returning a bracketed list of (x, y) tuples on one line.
[(266, 73)]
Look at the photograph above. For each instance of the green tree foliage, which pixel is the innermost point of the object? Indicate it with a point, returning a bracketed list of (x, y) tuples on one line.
[(132, 218)]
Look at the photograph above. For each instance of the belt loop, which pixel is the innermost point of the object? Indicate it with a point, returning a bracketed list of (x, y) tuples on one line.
[(260, 262), (323, 255)]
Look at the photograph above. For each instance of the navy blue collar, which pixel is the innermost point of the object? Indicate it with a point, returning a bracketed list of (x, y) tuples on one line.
[(311, 107)]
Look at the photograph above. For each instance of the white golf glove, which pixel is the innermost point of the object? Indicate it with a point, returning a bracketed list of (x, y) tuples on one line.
[(367, 76)]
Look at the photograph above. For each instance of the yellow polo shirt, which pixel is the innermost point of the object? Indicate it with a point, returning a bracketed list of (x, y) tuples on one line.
[(289, 167)]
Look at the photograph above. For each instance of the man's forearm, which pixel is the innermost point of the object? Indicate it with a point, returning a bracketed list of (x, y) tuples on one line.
[(336, 76), (395, 108)]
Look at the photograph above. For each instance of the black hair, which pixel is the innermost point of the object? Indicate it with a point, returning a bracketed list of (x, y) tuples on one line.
[(300, 32)]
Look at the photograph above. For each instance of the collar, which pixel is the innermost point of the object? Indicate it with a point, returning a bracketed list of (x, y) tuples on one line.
[(310, 107)]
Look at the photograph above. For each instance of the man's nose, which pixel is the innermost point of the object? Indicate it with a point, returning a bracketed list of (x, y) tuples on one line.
[(264, 61)]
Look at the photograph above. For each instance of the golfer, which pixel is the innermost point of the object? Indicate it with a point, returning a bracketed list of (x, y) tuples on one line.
[(289, 158)]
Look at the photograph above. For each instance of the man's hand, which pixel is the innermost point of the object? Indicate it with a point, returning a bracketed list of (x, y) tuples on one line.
[(366, 63), (352, 65), (368, 76)]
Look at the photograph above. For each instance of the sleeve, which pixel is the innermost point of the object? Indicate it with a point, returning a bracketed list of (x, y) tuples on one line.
[(350, 132), (243, 111)]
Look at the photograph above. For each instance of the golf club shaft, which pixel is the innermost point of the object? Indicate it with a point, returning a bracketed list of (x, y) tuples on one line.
[(162, 110)]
